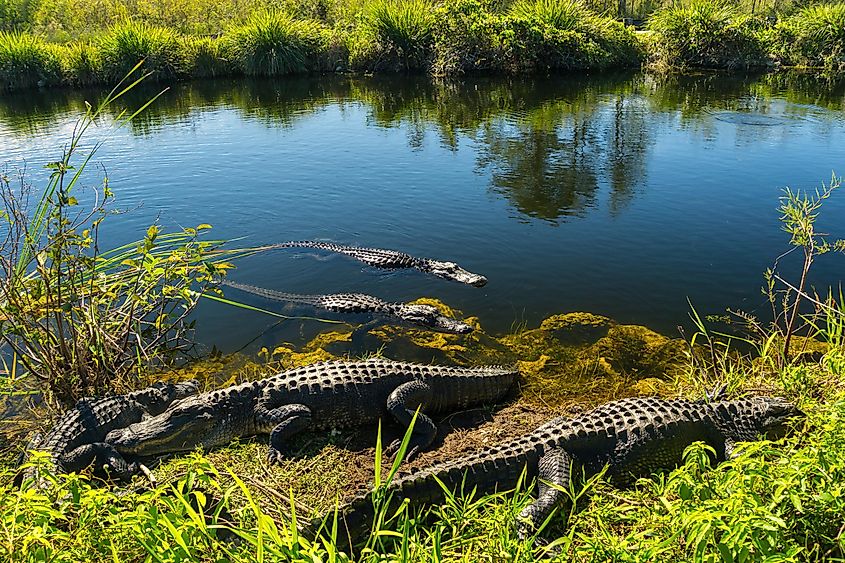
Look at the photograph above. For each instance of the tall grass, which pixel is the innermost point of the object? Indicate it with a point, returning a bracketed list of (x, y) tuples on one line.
[(559, 14), (273, 43), (815, 36), (404, 27), (705, 33), (26, 61), (129, 43)]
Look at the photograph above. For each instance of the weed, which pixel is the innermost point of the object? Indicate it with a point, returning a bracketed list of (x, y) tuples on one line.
[(129, 43)]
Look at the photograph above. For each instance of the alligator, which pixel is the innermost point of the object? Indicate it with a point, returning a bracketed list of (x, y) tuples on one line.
[(421, 315), (391, 260), (632, 438), (324, 395), (78, 438)]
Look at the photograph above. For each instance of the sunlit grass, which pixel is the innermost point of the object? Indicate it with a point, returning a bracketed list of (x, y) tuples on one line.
[(26, 61), (274, 43)]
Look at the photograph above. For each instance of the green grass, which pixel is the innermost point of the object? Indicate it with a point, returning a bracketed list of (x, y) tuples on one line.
[(815, 36), (26, 61), (560, 14), (126, 44), (404, 29), (705, 33), (273, 43)]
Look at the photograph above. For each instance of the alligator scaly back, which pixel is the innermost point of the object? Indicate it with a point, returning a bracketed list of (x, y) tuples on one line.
[(393, 259), (631, 437), (419, 315), (335, 394)]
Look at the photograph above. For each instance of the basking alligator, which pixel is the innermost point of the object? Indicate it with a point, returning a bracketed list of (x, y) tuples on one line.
[(392, 259), (422, 315), (78, 438), (632, 437), (319, 396)]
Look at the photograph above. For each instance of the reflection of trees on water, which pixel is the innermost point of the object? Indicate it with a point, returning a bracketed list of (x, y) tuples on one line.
[(551, 159), (549, 144)]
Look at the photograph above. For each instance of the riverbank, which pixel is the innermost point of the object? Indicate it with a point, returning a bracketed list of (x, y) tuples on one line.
[(389, 36), (781, 498)]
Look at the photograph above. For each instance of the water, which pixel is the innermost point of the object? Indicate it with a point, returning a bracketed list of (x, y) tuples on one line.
[(624, 195)]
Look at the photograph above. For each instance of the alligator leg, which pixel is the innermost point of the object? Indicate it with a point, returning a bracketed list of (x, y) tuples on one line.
[(554, 473), (103, 456), (402, 403), (286, 421)]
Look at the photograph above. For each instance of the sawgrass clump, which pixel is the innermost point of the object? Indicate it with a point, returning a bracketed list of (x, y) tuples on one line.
[(814, 36), (26, 61), (705, 34), (273, 43), (129, 43)]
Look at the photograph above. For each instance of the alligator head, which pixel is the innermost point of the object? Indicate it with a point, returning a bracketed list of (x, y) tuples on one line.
[(766, 416), (161, 395), (428, 315), (188, 424), (451, 271)]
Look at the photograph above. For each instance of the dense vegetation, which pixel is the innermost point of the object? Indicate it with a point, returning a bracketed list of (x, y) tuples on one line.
[(57, 42)]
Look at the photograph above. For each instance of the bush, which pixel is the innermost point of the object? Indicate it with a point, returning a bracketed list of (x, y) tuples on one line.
[(815, 36), (26, 61), (204, 58), (403, 28), (81, 64), (127, 44), (273, 43), (706, 33), (466, 38)]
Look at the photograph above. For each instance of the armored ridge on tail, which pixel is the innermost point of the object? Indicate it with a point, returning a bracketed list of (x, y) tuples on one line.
[(393, 259), (632, 437), (419, 315), (320, 396), (78, 437)]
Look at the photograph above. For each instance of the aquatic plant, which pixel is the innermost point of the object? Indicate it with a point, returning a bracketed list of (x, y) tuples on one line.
[(705, 33), (26, 61), (274, 43), (129, 43)]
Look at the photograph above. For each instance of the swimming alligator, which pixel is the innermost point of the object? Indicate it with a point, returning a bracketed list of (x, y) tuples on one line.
[(319, 396), (78, 438), (632, 437), (391, 260), (421, 315)]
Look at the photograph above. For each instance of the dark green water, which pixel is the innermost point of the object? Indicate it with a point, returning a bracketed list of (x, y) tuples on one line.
[(617, 194)]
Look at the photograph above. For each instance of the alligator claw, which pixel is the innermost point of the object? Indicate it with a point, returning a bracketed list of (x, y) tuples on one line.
[(274, 456), (393, 449)]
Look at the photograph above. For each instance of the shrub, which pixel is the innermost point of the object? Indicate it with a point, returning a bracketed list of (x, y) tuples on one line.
[(128, 43), (26, 61), (204, 58), (272, 43), (81, 64), (706, 33), (815, 36), (559, 14), (466, 38), (403, 28)]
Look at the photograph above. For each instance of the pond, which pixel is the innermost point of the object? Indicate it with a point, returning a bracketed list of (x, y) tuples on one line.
[(619, 194)]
